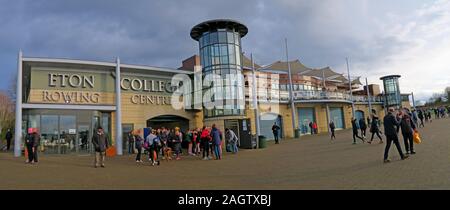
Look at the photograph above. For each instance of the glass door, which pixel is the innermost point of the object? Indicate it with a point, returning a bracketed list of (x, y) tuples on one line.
[(83, 140)]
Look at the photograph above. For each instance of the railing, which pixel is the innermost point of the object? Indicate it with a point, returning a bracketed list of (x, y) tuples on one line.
[(283, 95)]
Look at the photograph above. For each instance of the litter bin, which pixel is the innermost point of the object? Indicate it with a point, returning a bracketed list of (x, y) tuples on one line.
[(262, 142), (297, 133)]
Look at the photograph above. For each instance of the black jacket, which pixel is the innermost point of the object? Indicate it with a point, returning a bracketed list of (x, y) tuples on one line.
[(362, 124), (354, 126), (390, 124), (407, 125), (8, 135)]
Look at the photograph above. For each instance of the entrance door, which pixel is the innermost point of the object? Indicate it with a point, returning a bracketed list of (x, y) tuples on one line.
[(234, 126), (359, 115), (305, 116), (83, 140), (266, 122), (337, 115), (168, 121)]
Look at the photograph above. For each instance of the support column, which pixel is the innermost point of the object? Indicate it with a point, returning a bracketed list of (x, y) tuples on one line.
[(18, 129), (119, 147), (255, 102), (368, 98)]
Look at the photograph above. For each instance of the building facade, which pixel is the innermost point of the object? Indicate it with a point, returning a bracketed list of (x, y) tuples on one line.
[(68, 99)]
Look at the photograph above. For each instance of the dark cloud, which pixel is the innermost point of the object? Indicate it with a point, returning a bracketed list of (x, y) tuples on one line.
[(320, 33)]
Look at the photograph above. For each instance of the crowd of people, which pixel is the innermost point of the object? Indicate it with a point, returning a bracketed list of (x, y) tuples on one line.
[(395, 121), (167, 143)]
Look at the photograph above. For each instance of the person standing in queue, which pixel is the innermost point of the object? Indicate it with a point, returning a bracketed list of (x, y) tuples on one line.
[(232, 140), (198, 133), (407, 126), (164, 136), (332, 129), (390, 124), (153, 142), (355, 128), (177, 139), (216, 136), (29, 143), (138, 141), (205, 138), (275, 130), (36, 143), (101, 143), (130, 142)]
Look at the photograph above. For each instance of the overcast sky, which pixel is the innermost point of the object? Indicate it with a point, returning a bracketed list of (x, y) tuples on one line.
[(407, 37)]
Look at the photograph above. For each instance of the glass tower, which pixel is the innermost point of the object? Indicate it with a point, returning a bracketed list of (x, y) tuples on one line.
[(220, 55), (392, 96)]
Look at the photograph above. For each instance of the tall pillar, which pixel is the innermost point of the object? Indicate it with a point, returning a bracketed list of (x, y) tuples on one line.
[(255, 102), (18, 129), (368, 98), (119, 147)]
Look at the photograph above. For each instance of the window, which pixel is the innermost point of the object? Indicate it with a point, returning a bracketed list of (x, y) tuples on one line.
[(213, 38), (230, 37), (49, 127), (222, 37)]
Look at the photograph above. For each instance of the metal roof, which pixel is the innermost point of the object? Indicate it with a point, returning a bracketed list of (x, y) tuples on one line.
[(199, 29)]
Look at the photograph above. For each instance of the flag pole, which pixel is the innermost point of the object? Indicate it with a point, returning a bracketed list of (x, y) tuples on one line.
[(291, 96)]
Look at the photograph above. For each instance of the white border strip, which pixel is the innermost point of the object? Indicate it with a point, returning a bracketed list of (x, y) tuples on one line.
[(69, 106)]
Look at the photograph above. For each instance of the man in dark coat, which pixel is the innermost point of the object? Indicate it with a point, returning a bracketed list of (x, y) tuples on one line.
[(355, 131), (101, 143), (332, 129), (275, 129), (363, 127), (390, 131), (8, 139)]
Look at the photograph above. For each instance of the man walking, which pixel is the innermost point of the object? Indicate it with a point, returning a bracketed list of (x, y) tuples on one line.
[(407, 126), (355, 131), (363, 127), (390, 122), (332, 128), (101, 143), (8, 139), (275, 129)]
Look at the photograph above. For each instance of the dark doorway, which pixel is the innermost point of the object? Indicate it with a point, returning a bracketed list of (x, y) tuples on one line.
[(168, 121)]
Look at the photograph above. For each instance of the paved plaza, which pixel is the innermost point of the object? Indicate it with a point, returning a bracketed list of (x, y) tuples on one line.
[(313, 162)]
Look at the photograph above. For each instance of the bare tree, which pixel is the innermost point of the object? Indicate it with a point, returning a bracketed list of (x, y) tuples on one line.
[(7, 114), (12, 86)]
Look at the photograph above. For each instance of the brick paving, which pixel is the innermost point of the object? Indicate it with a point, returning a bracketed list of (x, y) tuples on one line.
[(313, 162)]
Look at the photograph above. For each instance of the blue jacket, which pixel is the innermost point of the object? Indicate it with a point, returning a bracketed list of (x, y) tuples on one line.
[(216, 137)]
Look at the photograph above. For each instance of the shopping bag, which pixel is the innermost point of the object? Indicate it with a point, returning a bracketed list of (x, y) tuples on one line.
[(111, 151), (416, 137)]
